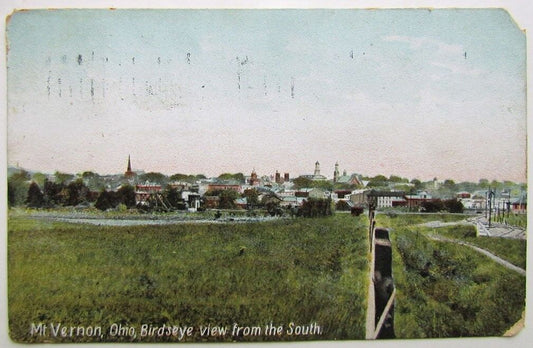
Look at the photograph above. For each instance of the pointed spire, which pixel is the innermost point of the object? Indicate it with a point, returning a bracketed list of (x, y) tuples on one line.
[(129, 173)]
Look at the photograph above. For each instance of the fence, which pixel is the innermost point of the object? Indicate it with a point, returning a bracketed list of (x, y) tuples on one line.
[(381, 291)]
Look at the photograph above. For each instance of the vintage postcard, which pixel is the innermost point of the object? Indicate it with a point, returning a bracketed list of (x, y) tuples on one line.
[(265, 175)]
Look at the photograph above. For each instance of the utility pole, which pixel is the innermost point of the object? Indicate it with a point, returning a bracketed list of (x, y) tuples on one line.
[(491, 197)]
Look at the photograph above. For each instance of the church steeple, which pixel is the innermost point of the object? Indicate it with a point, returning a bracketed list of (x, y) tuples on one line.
[(129, 173), (336, 172)]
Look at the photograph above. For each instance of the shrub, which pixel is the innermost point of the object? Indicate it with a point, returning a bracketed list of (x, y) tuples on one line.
[(314, 207), (356, 211)]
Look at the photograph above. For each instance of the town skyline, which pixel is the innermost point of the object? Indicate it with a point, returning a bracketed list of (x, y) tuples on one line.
[(271, 174), (207, 91)]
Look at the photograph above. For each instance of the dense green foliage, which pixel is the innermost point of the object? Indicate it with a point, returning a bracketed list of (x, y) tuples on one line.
[(297, 270), (17, 188), (35, 196), (314, 207), (303, 182), (449, 290), (227, 198), (437, 205), (239, 177), (186, 177), (519, 220), (154, 178)]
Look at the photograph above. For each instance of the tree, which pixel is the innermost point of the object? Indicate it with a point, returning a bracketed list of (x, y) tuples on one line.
[(453, 206), (227, 199), (35, 197), (313, 207), (106, 200), (182, 177), (342, 206), (63, 178), (322, 184), (379, 177), (174, 197), (356, 211), (10, 194), (377, 181), (76, 193), (154, 177), (417, 184), (228, 176), (18, 188), (496, 185), (89, 175), (449, 184), (397, 179), (126, 195), (52, 193), (301, 182), (39, 179), (483, 184), (466, 186), (432, 206), (252, 197)]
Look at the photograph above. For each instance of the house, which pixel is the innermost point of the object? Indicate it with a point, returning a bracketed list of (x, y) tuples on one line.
[(341, 194), (211, 202), (180, 185), (352, 179), (241, 203), (519, 205), (291, 201), (192, 199), (314, 192), (414, 201), (144, 191), (225, 185), (359, 197), (463, 195), (387, 199)]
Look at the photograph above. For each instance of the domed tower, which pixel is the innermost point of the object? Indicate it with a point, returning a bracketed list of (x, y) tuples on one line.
[(336, 172), (317, 169)]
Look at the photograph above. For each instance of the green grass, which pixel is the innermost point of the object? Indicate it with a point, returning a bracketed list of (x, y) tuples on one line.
[(301, 270), (511, 250), (519, 220), (448, 290), (297, 270), (392, 219)]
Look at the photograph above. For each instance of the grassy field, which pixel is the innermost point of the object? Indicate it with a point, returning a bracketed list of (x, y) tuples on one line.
[(449, 290), (512, 250), (303, 271), (519, 220)]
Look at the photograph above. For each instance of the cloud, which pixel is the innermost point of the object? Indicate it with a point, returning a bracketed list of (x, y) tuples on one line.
[(458, 69), (417, 43)]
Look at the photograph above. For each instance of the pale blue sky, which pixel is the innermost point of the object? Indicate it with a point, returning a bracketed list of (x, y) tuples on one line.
[(212, 91)]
